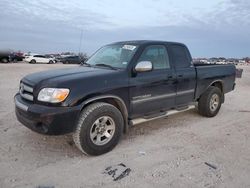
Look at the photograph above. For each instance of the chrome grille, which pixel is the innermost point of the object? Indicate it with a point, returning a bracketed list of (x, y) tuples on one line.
[(26, 92)]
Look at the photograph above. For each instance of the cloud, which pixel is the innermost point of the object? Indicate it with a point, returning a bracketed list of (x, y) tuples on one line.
[(230, 13), (42, 26), (44, 11)]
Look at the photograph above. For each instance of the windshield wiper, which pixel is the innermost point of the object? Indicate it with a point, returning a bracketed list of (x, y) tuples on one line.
[(105, 65)]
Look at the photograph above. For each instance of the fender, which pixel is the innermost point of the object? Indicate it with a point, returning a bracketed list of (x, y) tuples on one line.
[(221, 82), (120, 102), (222, 88)]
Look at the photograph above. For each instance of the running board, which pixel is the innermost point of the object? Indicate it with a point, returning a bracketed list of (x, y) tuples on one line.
[(168, 113)]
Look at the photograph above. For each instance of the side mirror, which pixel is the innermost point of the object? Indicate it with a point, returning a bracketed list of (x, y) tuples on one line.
[(144, 66)]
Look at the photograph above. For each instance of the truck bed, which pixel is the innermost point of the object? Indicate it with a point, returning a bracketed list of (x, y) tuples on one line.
[(210, 73)]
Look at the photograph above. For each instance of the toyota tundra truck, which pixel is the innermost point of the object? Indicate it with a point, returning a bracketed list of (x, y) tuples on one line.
[(121, 85)]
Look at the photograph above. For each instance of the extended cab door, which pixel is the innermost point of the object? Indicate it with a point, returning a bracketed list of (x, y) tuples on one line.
[(185, 72), (153, 91)]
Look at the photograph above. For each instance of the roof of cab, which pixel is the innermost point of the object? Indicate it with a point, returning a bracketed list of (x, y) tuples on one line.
[(144, 42)]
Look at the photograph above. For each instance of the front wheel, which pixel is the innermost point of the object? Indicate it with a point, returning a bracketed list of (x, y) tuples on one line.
[(4, 60), (99, 129), (210, 102)]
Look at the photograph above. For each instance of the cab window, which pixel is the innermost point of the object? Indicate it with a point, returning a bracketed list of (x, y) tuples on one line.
[(157, 55)]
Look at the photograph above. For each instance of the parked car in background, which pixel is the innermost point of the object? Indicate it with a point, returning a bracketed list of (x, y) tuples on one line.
[(39, 59), (10, 56), (4, 57), (16, 56), (58, 58), (71, 60)]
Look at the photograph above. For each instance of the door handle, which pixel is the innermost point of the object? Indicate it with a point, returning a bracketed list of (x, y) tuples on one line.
[(180, 75)]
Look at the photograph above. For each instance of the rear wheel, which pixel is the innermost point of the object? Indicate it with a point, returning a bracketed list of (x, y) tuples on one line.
[(51, 62), (99, 129), (210, 102), (33, 61)]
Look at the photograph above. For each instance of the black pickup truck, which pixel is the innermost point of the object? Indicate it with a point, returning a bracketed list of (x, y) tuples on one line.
[(122, 84)]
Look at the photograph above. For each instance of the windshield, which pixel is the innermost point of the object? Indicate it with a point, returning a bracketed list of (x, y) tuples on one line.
[(115, 55)]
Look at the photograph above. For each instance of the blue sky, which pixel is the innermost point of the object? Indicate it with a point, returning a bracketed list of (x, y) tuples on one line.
[(211, 28)]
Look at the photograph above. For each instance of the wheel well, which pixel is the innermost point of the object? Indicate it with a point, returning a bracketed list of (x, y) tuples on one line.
[(218, 85), (118, 104)]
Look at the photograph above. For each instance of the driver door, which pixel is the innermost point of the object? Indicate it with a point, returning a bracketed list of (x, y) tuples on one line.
[(154, 91)]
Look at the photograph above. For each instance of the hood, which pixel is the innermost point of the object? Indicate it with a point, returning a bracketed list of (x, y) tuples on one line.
[(81, 71)]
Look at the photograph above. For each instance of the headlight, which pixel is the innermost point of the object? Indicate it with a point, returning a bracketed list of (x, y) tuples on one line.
[(53, 95)]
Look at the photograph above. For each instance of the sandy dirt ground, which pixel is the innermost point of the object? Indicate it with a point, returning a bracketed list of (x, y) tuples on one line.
[(169, 152)]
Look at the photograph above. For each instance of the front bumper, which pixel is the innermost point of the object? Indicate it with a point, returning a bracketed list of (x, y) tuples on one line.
[(45, 119)]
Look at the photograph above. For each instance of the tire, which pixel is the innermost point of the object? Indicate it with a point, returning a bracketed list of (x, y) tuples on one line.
[(89, 124), (51, 62), (4, 60), (210, 102), (33, 61)]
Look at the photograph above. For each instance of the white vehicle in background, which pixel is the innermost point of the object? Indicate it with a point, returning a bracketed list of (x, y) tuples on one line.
[(39, 59)]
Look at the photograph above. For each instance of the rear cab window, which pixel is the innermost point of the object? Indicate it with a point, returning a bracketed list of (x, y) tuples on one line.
[(181, 57)]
